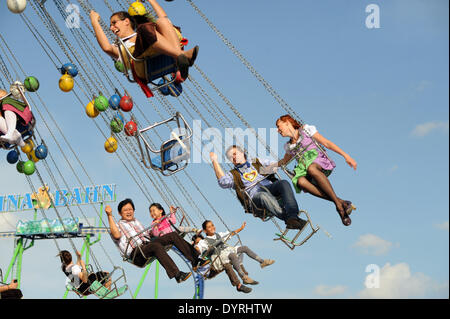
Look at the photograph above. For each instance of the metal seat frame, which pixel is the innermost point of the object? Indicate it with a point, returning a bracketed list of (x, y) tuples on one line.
[(184, 141)]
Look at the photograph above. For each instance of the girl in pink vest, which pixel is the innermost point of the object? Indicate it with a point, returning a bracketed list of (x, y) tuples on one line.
[(162, 224)]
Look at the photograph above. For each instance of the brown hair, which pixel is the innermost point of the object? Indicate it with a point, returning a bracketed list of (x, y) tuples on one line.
[(122, 15), (135, 21), (66, 259), (290, 119), (205, 223)]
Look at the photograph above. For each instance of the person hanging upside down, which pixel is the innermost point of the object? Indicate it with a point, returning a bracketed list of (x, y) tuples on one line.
[(12, 110), (80, 279), (141, 246), (144, 36), (264, 193), (314, 166), (222, 253)]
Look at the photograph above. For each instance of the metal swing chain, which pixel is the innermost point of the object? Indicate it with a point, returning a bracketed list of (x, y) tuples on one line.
[(258, 76)]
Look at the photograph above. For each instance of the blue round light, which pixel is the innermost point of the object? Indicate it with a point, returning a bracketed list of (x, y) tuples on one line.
[(70, 69), (12, 157), (41, 152), (114, 101)]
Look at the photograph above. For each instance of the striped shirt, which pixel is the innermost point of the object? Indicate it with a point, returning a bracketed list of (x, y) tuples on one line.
[(130, 230)]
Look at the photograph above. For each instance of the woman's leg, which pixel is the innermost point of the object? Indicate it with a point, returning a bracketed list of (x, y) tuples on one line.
[(165, 46), (309, 187), (165, 29), (315, 171)]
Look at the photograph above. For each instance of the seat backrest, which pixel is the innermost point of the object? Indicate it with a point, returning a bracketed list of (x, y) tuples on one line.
[(159, 66)]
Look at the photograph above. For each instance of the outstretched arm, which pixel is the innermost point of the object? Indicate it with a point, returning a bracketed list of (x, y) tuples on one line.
[(239, 229), (330, 145), (102, 39)]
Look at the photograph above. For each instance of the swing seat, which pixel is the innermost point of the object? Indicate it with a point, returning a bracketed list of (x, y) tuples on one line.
[(148, 68), (159, 66), (170, 155), (25, 130), (292, 243), (173, 155), (96, 288), (104, 293)]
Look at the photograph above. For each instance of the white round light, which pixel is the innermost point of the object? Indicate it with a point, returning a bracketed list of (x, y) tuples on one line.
[(16, 6)]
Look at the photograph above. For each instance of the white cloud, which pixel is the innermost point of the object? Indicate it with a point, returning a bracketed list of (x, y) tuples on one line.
[(426, 128), (397, 281), (443, 226), (328, 291), (372, 245)]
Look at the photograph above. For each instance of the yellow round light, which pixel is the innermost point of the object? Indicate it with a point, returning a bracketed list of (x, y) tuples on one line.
[(66, 83), (28, 147), (91, 111), (32, 156), (111, 145), (136, 8)]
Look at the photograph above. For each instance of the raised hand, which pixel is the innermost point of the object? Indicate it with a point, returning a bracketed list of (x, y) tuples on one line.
[(95, 17), (108, 210), (213, 157)]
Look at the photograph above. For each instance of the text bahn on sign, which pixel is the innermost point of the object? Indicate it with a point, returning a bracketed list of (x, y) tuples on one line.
[(76, 196)]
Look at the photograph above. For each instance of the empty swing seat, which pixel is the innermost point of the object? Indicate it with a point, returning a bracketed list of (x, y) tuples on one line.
[(173, 155), (170, 156)]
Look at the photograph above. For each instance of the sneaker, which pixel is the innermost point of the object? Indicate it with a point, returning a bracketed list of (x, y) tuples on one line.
[(182, 276), (267, 262), (244, 289), (249, 281)]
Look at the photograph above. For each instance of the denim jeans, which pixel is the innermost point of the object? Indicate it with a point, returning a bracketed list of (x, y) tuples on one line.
[(267, 200)]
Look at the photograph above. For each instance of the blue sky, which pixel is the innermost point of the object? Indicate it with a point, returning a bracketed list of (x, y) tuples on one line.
[(380, 94)]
